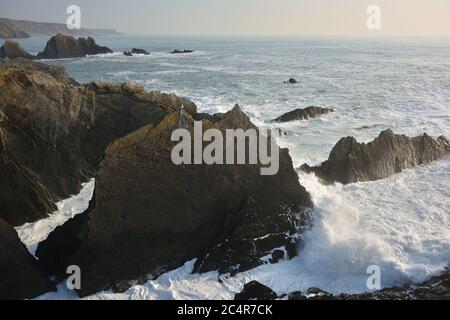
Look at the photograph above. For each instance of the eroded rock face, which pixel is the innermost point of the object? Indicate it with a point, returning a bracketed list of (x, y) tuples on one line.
[(54, 132), (65, 46), (303, 114), (151, 216), (22, 197), (11, 49), (20, 277), (350, 161)]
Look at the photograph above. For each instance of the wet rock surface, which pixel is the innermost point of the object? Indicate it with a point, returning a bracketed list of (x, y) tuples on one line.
[(351, 161)]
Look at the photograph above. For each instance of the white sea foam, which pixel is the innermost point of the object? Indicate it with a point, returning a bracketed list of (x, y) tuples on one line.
[(33, 233), (408, 237)]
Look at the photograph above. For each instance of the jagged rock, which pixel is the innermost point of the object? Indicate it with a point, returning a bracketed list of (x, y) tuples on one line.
[(181, 51), (127, 54), (350, 161), (139, 51), (291, 81), (11, 49), (20, 276), (55, 132), (256, 291), (65, 46), (303, 114), (148, 217), (8, 31)]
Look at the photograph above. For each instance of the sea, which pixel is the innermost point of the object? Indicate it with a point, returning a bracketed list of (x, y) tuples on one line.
[(400, 224)]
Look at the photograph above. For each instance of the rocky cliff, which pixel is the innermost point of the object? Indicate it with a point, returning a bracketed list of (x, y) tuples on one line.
[(9, 31), (150, 215), (10, 28), (54, 132)]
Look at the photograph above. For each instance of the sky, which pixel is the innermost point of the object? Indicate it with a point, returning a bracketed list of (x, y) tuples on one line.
[(243, 17)]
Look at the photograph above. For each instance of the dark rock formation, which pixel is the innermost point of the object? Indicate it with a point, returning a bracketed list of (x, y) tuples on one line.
[(303, 114), (181, 51), (8, 31), (49, 151), (20, 277), (11, 49), (277, 255), (350, 161), (151, 216), (256, 291), (135, 51), (139, 51), (291, 81), (65, 46)]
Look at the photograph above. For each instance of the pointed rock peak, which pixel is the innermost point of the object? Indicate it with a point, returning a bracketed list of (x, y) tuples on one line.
[(387, 133)]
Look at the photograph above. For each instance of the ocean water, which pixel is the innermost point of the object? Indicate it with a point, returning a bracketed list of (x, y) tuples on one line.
[(401, 224)]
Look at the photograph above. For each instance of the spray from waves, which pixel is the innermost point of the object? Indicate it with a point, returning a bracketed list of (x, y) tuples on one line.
[(401, 224)]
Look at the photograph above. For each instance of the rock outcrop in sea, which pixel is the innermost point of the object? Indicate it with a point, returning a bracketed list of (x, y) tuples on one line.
[(49, 151), (20, 277), (176, 51), (66, 46), (150, 215), (303, 114), (388, 154), (139, 51), (11, 49)]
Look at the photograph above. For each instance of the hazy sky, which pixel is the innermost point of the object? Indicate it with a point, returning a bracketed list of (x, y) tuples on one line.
[(243, 17)]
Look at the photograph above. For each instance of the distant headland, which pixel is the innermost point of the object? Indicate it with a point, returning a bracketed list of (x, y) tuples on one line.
[(10, 29)]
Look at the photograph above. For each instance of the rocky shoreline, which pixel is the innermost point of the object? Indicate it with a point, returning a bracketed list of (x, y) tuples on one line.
[(147, 215)]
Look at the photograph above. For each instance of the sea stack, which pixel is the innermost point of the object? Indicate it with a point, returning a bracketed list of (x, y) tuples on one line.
[(65, 46)]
